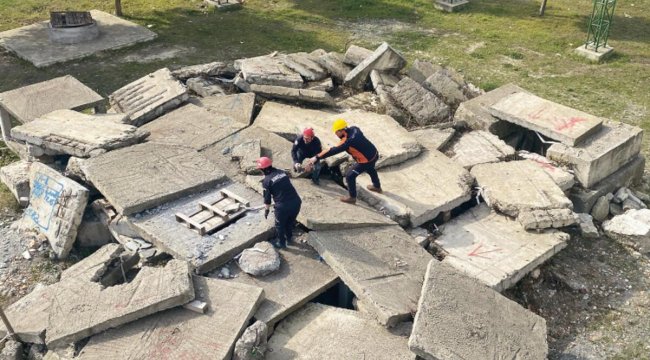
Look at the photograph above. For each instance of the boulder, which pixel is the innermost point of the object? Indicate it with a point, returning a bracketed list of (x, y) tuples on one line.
[(260, 260)]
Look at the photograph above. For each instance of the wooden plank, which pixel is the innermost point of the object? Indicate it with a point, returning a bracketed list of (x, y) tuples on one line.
[(215, 227), (213, 209), (234, 196), (190, 223)]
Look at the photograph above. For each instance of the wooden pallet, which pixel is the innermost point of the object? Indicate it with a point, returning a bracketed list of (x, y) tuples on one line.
[(213, 216)]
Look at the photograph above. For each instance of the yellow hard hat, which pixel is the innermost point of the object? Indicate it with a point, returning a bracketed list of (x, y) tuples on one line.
[(339, 124)]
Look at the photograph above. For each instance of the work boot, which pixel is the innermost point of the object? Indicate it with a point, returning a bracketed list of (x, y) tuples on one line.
[(349, 200), (374, 189)]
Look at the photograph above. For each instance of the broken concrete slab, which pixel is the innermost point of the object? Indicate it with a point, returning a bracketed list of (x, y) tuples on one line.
[(632, 228), (494, 249), (339, 215), (301, 278), (16, 177), (77, 134), (11, 350), (252, 345), (149, 97), (355, 55), (94, 266), (333, 62), (180, 333), (425, 107), (587, 227), (564, 179), (260, 260), (515, 186), (421, 70), (150, 174), (393, 142), (300, 336), (445, 88), (56, 206), (323, 85), (205, 87), (404, 198), (479, 147), (475, 113), (556, 121), (247, 154), (384, 58), (601, 154), (191, 126), (206, 252), (382, 266), (460, 318), (546, 218), (434, 139), (92, 231), (269, 70), (238, 106), (293, 94), (306, 65), (216, 68), (32, 42), (379, 78), (390, 105), (97, 309)]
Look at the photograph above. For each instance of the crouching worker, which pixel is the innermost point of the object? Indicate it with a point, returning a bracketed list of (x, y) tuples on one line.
[(304, 147), (277, 187), (362, 150)]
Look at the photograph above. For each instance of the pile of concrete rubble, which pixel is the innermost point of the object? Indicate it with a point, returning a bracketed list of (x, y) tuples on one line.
[(479, 190)]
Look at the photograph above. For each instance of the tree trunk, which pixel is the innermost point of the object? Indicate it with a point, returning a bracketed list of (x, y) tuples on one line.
[(118, 7), (542, 8)]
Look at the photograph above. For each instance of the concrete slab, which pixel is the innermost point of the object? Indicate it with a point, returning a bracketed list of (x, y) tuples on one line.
[(406, 201), (293, 94), (32, 42), (338, 215), (450, 5), (382, 266), (564, 179), (632, 228), (394, 143), (384, 58), (600, 155), (94, 266), (333, 62), (558, 122), (15, 176), (268, 70), (460, 318), (425, 107), (150, 174), (475, 113), (149, 97), (56, 206), (355, 55), (546, 218), (434, 139), (479, 147), (216, 68), (352, 336), (380, 78), (97, 309), (516, 186), (77, 134), (191, 126), (204, 253), (238, 106), (180, 333), (495, 249), (445, 87), (594, 55), (247, 154), (306, 65), (301, 278)]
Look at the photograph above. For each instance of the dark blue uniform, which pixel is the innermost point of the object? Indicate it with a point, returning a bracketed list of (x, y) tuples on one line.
[(277, 187), (301, 151)]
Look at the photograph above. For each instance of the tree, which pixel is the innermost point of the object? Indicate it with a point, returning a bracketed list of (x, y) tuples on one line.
[(541, 9), (118, 7)]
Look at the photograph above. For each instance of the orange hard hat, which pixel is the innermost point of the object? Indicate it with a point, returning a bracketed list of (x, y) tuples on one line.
[(264, 162)]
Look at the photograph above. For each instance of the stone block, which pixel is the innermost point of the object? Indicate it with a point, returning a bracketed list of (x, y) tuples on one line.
[(390, 105), (587, 227), (479, 147), (191, 126), (382, 266), (632, 228), (269, 70), (238, 106), (384, 58), (425, 107), (56, 206), (306, 65), (600, 155), (333, 62), (355, 55), (77, 134), (406, 201), (594, 55), (293, 94), (556, 121), (16, 177), (543, 219), (149, 97), (434, 139), (459, 318), (301, 336)]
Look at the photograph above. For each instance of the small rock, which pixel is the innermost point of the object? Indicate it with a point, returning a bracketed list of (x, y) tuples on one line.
[(26, 255), (260, 260), (621, 195), (587, 227), (252, 344), (197, 306), (535, 273), (224, 273), (616, 209), (601, 210)]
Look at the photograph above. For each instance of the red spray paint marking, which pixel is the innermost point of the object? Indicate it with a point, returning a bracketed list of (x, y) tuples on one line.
[(569, 124), (545, 165), (480, 254), (537, 114)]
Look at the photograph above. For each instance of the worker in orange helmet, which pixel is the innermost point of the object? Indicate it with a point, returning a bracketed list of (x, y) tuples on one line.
[(278, 187), (304, 147)]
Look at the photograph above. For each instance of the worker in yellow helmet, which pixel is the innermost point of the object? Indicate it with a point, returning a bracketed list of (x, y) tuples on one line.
[(362, 150)]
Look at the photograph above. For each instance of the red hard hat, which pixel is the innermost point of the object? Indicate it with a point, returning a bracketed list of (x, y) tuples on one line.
[(264, 162), (309, 132)]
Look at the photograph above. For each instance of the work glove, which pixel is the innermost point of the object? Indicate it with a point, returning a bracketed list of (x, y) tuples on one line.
[(297, 167), (266, 213)]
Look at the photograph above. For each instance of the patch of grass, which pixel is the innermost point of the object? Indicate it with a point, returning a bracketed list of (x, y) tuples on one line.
[(635, 351)]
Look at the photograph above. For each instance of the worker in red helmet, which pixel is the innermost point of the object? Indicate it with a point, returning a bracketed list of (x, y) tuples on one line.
[(277, 187), (306, 146)]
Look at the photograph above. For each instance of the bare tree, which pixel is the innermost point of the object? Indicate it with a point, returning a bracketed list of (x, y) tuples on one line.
[(542, 8), (118, 7)]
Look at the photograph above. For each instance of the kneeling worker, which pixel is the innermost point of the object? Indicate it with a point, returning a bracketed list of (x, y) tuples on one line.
[(277, 186), (306, 147), (362, 150)]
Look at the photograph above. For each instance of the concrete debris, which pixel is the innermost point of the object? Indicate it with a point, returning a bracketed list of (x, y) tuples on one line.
[(479, 147), (269, 70), (600, 210), (632, 202), (322, 85), (632, 227), (384, 58), (92, 231), (616, 209), (460, 318), (141, 182), (494, 249), (246, 154), (204, 70), (191, 126), (378, 79), (601, 154), (293, 94), (260, 260), (450, 5), (197, 306), (587, 227), (306, 65), (238, 106), (205, 87), (382, 266), (434, 139), (301, 336), (421, 236), (425, 107), (564, 179), (558, 122), (546, 218), (444, 87), (77, 134), (12, 350), (621, 195), (333, 62), (15, 176), (149, 97), (355, 55), (252, 345)]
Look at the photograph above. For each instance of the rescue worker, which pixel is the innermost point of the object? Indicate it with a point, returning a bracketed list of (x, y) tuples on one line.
[(304, 147), (362, 150), (277, 187)]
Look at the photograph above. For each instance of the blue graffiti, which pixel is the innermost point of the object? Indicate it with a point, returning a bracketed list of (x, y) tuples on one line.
[(45, 195)]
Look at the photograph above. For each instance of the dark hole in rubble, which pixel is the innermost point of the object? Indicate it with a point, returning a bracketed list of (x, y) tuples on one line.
[(120, 270), (521, 138), (338, 296)]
